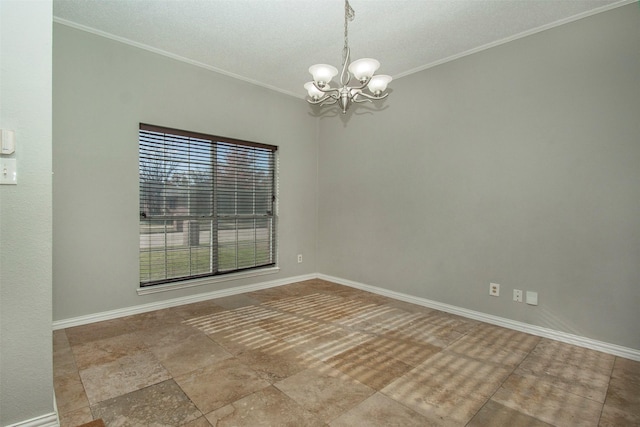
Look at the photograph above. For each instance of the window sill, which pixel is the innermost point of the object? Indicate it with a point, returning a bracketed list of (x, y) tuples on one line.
[(206, 281)]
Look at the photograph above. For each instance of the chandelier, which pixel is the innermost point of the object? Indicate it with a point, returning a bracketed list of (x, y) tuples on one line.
[(320, 91)]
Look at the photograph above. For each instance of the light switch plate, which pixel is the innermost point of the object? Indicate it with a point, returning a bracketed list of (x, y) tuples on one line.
[(8, 174)]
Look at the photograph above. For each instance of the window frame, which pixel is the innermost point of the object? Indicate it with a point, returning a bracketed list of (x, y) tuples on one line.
[(216, 216)]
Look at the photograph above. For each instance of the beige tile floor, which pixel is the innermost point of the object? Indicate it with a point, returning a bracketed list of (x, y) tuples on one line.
[(315, 354)]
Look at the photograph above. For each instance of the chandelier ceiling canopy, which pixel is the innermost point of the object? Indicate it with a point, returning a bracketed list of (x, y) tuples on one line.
[(367, 88)]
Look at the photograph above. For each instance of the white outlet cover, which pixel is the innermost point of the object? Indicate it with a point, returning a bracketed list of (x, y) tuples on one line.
[(494, 289), (532, 298)]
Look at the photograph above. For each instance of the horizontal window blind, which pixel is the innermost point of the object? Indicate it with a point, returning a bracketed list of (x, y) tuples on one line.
[(206, 205)]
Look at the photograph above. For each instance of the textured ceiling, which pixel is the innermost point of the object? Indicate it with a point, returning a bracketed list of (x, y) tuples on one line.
[(273, 42)]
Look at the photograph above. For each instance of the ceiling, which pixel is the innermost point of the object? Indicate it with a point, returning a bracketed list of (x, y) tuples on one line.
[(272, 43)]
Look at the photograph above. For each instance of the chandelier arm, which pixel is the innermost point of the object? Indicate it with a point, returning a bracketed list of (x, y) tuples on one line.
[(329, 101), (330, 90), (370, 97), (357, 100), (362, 85), (324, 99)]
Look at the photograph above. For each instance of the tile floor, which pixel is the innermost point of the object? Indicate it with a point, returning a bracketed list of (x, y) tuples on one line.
[(315, 354)]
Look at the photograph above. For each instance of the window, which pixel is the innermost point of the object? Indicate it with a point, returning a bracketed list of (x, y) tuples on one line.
[(206, 205)]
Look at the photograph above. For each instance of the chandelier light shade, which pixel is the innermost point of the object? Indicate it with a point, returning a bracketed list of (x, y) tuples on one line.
[(363, 70), (378, 84), (313, 91), (322, 73)]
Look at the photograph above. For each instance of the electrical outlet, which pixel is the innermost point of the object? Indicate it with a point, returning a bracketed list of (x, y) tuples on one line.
[(494, 289), (517, 295), (299, 258)]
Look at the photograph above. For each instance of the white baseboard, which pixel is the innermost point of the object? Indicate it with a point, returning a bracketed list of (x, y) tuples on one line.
[(616, 350), (566, 337), (144, 308), (46, 420)]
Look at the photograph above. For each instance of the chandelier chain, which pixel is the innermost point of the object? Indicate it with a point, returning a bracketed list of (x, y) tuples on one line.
[(349, 15)]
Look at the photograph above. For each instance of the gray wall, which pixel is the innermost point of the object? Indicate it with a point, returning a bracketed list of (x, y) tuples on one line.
[(102, 90), (518, 165), (26, 378)]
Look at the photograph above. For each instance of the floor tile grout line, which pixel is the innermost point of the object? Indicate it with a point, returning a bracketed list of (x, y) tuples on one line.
[(606, 394), (506, 378), (75, 363), (540, 341), (543, 340)]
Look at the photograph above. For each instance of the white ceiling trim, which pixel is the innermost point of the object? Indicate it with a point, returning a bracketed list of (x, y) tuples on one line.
[(517, 36), (170, 55), (300, 94)]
